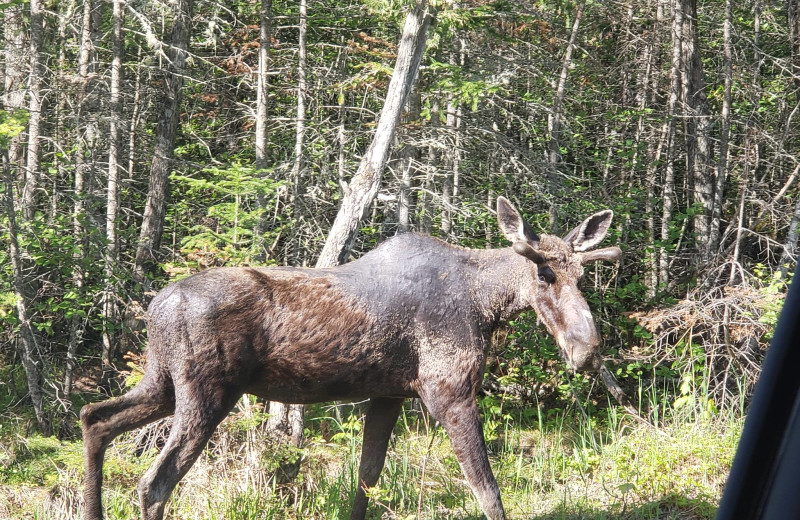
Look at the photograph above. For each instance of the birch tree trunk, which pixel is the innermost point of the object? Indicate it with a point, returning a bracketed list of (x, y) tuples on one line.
[(158, 187), (364, 185)]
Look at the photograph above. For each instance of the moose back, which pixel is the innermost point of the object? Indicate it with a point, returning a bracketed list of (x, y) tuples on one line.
[(413, 318)]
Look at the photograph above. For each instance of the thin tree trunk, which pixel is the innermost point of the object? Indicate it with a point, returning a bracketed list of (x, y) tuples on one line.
[(453, 161), (83, 169), (735, 266), (700, 171), (287, 420), (653, 152), (158, 187), (135, 111), (751, 153), (26, 339), (22, 284), (793, 17), (668, 193), (453, 154), (262, 119), (112, 186), (554, 181), (35, 79), (404, 198), (14, 75), (299, 143), (365, 183), (725, 131)]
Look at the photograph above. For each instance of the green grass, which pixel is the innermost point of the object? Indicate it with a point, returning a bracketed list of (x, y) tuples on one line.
[(567, 466)]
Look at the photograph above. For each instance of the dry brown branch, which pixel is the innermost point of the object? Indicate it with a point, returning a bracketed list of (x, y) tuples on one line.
[(724, 333)]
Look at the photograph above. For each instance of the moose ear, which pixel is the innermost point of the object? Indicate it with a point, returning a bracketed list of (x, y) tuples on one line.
[(591, 232), (513, 226)]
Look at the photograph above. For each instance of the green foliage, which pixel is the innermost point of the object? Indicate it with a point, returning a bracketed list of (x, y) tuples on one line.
[(11, 122), (224, 207), (36, 460), (774, 287)]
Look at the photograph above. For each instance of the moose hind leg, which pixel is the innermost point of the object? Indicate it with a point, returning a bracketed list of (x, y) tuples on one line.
[(196, 418), (101, 422), (462, 422), (380, 420)]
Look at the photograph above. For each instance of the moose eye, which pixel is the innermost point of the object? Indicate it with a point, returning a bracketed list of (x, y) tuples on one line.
[(546, 274)]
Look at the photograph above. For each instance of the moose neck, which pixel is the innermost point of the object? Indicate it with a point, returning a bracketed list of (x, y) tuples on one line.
[(504, 283)]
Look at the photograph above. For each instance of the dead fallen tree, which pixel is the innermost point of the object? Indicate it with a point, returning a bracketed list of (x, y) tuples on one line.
[(715, 339)]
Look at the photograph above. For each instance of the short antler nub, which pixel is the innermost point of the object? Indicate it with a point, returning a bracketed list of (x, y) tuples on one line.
[(610, 254), (524, 249)]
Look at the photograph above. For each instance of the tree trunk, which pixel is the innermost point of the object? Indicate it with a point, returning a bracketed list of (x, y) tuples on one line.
[(84, 162), (158, 187), (668, 193), (262, 119), (35, 79), (700, 169), (404, 197), (364, 185), (135, 111), (793, 16), (654, 149), (26, 340), (554, 182), (751, 152), (725, 131), (452, 154), (112, 185), (298, 165), (14, 76), (287, 420)]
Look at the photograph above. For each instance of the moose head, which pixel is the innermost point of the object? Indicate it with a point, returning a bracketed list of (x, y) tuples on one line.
[(556, 269)]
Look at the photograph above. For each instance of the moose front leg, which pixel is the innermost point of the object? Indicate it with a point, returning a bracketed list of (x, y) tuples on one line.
[(381, 417), (462, 422)]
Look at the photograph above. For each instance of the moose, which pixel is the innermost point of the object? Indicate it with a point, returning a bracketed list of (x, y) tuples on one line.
[(412, 318)]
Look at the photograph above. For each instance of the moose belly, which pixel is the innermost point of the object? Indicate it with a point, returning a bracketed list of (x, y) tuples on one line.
[(310, 375)]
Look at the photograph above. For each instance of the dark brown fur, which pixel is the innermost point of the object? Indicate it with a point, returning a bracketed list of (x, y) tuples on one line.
[(411, 319)]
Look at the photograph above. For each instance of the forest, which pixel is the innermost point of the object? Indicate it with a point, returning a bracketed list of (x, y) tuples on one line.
[(145, 141)]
